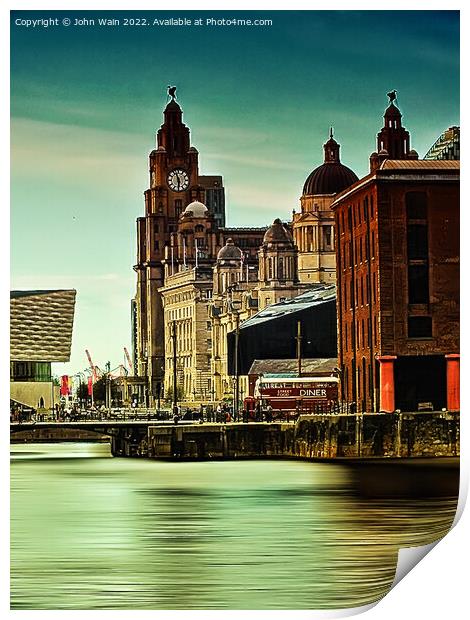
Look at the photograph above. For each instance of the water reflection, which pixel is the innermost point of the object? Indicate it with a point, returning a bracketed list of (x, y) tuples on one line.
[(92, 532)]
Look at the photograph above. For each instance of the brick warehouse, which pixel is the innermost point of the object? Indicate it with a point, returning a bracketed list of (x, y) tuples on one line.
[(397, 258)]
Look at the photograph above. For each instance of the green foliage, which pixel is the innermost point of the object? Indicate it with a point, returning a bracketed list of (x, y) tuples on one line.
[(99, 390), (82, 391)]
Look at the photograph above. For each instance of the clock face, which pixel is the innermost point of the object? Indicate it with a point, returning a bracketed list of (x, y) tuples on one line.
[(178, 180)]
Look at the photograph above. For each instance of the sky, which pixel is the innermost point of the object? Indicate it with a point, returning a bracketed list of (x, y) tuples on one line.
[(86, 102)]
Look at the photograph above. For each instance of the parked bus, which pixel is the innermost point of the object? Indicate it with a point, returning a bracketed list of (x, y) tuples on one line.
[(292, 396)]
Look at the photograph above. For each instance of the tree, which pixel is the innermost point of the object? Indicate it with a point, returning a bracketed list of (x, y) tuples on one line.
[(99, 390), (82, 392)]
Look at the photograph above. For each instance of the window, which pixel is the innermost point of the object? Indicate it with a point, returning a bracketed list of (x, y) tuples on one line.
[(416, 205), (327, 237), (419, 327), (156, 245), (156, 229), (418, 284), (417, 242)]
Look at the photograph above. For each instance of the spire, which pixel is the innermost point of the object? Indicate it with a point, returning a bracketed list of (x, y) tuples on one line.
[(173, 135), (331, 148), (393, 140)]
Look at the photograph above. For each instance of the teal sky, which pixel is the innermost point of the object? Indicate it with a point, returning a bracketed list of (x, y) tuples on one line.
[(86, 102)]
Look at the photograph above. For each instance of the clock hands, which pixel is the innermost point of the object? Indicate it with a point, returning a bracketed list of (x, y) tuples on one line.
[(178, 180)]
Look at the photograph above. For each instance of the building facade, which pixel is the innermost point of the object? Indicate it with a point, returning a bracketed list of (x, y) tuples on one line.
[(175, 182), (313, 226), (183, 249), (447, 146), (397, 257), (41, 325)]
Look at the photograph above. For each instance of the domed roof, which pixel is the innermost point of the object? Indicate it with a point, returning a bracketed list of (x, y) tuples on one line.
[(277, 233), (230, 251), (392, 110), (329, 178), (172, 105), (332, 176), (196, 209)]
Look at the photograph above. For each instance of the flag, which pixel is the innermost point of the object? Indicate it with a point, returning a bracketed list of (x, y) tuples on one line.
[(90, 386), (64, 385)]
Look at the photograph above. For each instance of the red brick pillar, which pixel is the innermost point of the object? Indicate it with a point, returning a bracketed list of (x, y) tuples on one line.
[(387, 383), (453, 381)]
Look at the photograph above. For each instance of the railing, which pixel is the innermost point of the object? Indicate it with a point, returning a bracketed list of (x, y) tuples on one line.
[(118, 415)]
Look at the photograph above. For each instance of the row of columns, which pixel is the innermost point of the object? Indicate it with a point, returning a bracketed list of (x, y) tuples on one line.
[(311, 238), (387, 382)]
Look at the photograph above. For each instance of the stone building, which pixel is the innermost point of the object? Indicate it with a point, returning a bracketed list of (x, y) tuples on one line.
[(176, 232), (397, 260), (241, 293), (313, 227)]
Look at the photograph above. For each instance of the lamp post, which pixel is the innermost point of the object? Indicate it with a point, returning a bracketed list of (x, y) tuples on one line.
[(108, 387), (235, 307), (175, 371), (81, 381)]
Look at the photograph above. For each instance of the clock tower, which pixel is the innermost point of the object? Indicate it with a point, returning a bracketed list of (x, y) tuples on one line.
[(174, 183)]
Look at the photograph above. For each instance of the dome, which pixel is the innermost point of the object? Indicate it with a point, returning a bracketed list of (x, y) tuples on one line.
[(392, 111), (329, 178), (196, 209), (230, 251), (173, 106), (277, 233)]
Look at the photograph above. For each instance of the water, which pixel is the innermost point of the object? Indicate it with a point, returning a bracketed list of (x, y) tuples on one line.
[(93, 532)]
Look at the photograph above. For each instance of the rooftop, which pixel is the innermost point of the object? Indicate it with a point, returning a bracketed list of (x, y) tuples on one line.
[(420, 164), (318, 294), (288, 368)]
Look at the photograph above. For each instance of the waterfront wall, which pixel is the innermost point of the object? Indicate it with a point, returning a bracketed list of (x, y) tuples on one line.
[(51, 434), (312, 437)]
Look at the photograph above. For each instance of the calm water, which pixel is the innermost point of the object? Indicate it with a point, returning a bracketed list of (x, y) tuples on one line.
[(92, 532)]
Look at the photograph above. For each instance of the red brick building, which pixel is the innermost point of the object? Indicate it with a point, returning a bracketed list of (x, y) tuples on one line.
[(397, 256)]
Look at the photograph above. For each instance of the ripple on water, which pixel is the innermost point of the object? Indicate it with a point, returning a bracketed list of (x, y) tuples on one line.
[(92, 532)]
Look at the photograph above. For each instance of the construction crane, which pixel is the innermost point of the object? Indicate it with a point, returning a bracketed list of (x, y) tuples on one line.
[(129, 361), (94, 369)]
